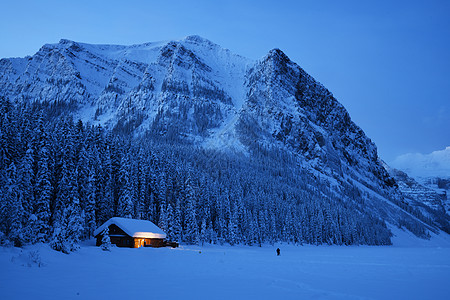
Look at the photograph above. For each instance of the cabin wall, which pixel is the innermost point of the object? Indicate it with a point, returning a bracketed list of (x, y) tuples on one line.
[(141, 242), (118, 241), (122, 241)]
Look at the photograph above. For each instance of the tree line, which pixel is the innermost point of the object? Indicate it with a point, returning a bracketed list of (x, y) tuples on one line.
[(60, 179)]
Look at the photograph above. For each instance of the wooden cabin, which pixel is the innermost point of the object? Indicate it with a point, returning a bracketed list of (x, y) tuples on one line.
[(132, 233)]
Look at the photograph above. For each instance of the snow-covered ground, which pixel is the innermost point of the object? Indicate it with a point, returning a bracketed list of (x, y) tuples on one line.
[(407, 270)]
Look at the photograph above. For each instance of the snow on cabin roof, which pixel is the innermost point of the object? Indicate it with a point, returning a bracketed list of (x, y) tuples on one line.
[(134, 228)]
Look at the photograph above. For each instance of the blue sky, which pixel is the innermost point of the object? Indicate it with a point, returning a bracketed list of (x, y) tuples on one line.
[(387, 62)]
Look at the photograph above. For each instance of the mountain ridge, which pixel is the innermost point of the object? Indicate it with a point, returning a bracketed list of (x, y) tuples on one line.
[(193, 90)]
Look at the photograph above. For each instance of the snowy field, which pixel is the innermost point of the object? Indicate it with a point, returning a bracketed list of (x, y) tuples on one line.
[(407, 270)]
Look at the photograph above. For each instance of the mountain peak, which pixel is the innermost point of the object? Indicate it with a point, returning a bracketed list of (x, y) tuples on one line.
[(196, 38), (65, 42), (278, 58), (277, 53), (193, 90)]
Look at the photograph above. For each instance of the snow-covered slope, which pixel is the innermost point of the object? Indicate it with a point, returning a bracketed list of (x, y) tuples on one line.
[(194, 88), (108, 80), (431, 171), (196, 91), (431, 201)]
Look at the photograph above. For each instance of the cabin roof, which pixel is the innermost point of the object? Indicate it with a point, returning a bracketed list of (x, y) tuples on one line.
[(134, 228)]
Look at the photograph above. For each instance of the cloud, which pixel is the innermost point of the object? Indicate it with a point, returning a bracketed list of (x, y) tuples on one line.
[(434, 164)]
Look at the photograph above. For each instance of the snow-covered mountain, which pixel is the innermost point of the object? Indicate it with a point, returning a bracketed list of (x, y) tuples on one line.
[(431, 171), (198, 92), (109, 81), (195, 89), (430, 200)]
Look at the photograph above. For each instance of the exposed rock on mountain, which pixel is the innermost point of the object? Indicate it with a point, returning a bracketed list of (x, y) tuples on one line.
[(194, 92), (432, 202)]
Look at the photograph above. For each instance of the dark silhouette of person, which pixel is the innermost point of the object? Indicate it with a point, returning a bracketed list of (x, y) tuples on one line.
[(278, 251)]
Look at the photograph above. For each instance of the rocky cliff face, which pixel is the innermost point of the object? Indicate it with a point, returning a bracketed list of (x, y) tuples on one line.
[(196, 91), (428, 181), (430, 196), (286, 105), (442, 187)]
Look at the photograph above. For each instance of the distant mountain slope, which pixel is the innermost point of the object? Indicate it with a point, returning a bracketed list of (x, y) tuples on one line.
[(194, 92), (430, 170), (431, 201)]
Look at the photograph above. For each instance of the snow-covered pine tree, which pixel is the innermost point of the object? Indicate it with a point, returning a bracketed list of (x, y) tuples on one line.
[(273, 230), (233, 229), (142, 186), (150, 211), (170, 221), (203, 236), (90, 193), (253, 234), (177, 221), (73, 224), (104, 183), (26, 181), (11, 208), (63, 195), (43, 190), (82, 168), (125, 206), (190, 235), (116, 149), (58, 240), (106, 241), (163, 223), (8, 134), (68, 230), (161, 190), (211, 233)]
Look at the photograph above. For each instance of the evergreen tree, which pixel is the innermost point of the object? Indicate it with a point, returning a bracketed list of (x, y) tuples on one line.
[(176, 226), (27, 181), (82, 169), (90, 193), (11, 208), (106, 241), (191, 228), (73, 225), (57, 240), (125, 205), (170, 222), (151, 208), (233, 230), (104, 185), (8, 134), (204, 234), (163, 222), (43, 190)]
